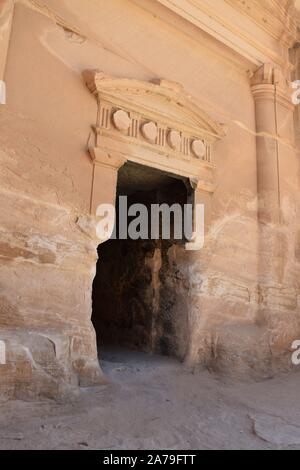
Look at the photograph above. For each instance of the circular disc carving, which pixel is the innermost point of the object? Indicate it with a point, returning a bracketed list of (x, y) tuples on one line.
[(174, 140), (198, 148), (121, 120), (149, 131)]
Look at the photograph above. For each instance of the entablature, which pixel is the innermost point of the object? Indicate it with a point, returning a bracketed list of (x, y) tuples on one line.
[(153, 123)]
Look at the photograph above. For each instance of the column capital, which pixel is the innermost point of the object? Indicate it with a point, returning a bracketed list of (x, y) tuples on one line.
[(269, 83), (108, 160), (268, 74)]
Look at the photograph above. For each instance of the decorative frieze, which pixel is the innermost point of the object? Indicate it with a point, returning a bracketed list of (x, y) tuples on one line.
[(155, 124), (104, 118), (134, 127), (153, 133), (199, 148), (161, 137), (150, 131), (174, 140), (121, 120), (185, 145)]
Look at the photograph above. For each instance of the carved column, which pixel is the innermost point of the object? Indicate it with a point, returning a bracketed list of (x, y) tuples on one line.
[(272, 105), (277, 176), (105, 177)]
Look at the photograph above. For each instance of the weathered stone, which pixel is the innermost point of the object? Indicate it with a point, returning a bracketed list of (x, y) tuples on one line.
[(87, 101)]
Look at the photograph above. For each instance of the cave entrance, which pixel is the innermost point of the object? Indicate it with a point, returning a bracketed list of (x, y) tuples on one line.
[(139, 296)]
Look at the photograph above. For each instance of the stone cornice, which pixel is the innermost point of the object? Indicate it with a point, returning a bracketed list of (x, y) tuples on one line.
[(208, 18), (275, 19)]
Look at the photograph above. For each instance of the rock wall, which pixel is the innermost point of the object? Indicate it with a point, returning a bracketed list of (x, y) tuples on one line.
[(241, 315)]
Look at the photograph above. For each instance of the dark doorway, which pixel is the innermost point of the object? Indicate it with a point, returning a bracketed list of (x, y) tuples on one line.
[(138, 302)]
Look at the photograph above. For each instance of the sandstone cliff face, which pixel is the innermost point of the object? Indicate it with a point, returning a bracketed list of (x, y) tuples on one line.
[(236, 300), (47, 267)]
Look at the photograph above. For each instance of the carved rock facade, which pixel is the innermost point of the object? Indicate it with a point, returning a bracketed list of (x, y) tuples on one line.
[(90, 99)]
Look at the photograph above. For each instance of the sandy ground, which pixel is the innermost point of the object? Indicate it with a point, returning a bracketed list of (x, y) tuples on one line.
[(156, 403)]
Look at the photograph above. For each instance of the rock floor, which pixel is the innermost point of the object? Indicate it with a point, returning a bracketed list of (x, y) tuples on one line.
[(156, 403)]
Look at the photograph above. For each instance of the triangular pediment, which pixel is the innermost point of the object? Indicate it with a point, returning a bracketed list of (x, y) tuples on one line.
[(162, 101), (154, 123)]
